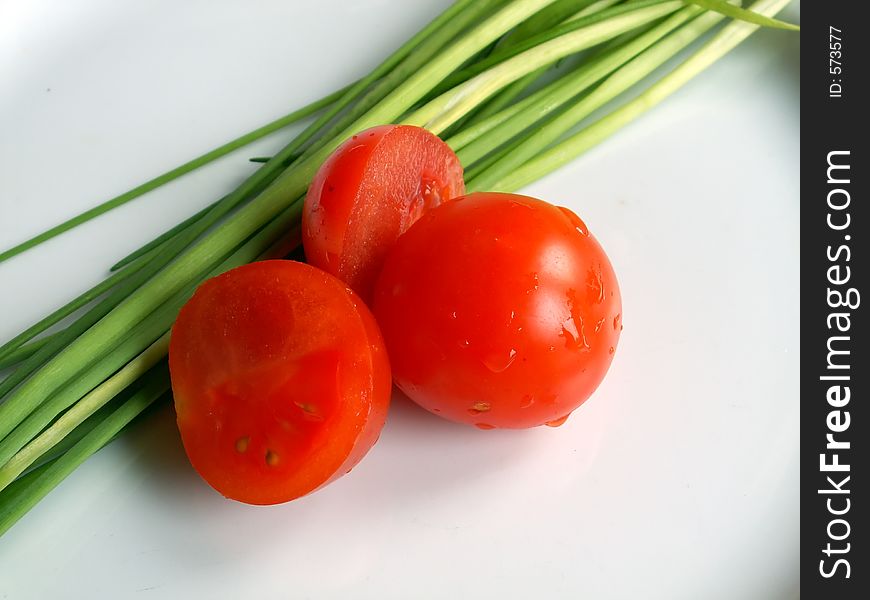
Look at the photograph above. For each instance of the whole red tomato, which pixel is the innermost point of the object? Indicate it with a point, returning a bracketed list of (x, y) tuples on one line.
[(281, 380), (499, 310)]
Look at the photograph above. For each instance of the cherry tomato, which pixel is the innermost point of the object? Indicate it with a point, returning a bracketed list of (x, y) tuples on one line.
[(499, 310), (369, 191), (281, 380)]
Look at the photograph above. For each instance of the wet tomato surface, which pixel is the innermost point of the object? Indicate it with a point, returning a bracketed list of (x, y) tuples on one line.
[(499, 310)]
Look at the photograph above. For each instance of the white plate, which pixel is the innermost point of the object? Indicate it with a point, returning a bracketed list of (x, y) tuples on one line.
[(678, 479)]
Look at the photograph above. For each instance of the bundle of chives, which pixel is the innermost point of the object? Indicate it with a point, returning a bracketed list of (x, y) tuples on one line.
[(476, 73)]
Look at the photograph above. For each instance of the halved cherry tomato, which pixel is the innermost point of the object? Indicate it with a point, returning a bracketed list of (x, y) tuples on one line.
[(280, 378), (499, 310), (369, 191)]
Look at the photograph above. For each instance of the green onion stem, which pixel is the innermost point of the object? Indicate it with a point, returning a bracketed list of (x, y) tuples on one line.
[(159, 240), (506, 96), (175, 173), (485, 162), (42, 481), (13, 357), (448, 21), (63, 338), (79, 432), (620, 81), (474, 130), (735, 11), (83, 409), (412, 63), (66, 310), (544, 20), (565, 89), (596, 7), (591, 16), (439, 113), (568, 149), (143, 334)]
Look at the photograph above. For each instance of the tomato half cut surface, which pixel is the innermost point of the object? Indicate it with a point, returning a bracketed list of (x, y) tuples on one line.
[(368, 192), (499, 310), (280, 378)]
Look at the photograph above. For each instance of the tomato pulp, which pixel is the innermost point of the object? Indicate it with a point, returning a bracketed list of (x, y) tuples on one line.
[(369, 191), (281, 380), (499, 310)]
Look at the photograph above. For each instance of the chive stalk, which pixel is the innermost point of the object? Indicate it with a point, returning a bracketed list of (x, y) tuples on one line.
[(562, 91), (441, 112), (44, 480), (567, 150), (160, 180)]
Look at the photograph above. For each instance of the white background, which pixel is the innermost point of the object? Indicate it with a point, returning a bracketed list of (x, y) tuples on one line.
[(678, 479)]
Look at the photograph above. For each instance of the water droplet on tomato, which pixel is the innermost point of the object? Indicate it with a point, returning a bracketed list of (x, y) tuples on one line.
[(453, 315), (500, 361), (557, 422), (527, 401), (479, 407), (535, 284), (573, 328), (598, 324), (611, 350), (484, 426), (427, 197), (595, 285), (242, 444), (576, 221)]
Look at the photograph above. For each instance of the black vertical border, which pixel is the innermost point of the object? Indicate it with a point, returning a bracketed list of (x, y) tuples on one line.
[(833, 124)]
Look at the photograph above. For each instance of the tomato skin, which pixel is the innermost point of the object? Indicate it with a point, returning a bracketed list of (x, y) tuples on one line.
[(369, 191), (281, 380), (499, 310)]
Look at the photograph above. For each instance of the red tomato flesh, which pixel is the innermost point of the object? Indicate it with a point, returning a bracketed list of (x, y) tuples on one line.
[(368, 192), (281, 380), (499, 310)]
